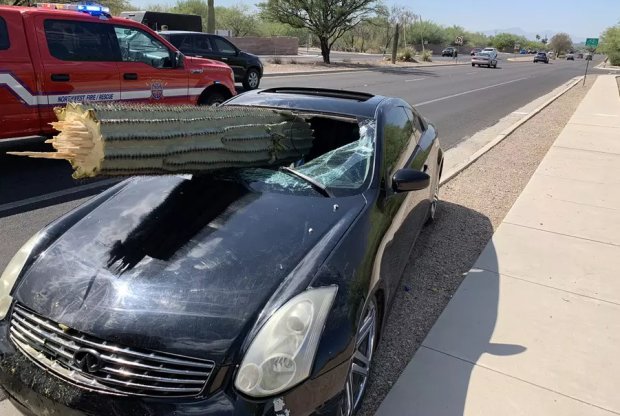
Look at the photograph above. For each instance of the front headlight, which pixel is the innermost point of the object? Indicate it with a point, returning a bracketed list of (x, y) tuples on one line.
[(9, 276), (282, 353)]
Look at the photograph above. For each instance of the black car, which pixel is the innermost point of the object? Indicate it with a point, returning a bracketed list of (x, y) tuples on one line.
[(541, 57), (256, 291), (248, 68), (449, 51)]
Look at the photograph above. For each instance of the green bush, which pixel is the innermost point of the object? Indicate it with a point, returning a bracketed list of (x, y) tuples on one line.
[(427, 56), (614, 58), (406, 55)]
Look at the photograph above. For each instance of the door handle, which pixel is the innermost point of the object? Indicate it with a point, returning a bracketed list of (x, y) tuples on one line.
[(60, 77), (130, 76), (224, 59)]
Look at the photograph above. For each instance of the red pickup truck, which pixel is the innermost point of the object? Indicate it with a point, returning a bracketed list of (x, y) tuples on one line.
[(50, 56)]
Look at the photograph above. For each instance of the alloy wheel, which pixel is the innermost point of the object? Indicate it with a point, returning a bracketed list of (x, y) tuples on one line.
[(253, 79), (433, 209), (360, 363)]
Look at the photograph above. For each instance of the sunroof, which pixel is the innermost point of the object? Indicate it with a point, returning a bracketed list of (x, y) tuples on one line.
[(347, 95)]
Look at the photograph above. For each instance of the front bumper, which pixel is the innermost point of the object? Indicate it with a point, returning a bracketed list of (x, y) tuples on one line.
[(35, 391)]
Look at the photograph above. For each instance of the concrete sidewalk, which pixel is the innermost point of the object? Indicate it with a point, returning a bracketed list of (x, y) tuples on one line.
[(534, 329)]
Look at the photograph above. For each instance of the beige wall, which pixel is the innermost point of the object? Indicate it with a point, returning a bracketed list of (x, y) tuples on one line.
[(280, 45)]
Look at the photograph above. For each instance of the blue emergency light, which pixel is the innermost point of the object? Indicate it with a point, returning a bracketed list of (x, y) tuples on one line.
[(93, 9)]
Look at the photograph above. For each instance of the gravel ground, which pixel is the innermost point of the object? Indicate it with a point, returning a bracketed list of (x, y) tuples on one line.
[(473, 205)]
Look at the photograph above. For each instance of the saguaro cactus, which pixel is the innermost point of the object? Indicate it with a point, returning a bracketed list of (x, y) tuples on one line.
[(112, 139)]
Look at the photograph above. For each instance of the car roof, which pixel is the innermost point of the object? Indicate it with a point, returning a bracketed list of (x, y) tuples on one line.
[(349, 103)]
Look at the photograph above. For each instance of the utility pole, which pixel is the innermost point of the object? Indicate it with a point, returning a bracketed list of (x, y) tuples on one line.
[(395, 44)]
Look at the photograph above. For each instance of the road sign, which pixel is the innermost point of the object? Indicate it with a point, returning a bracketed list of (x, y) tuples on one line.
[(517, 46), (459, 40), (592, 42)]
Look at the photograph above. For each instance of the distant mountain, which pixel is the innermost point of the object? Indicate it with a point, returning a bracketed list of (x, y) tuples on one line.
[(530, 35)]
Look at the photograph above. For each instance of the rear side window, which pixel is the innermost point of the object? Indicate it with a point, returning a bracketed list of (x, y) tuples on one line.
[(203, 45), (80, 41), (4, 35)]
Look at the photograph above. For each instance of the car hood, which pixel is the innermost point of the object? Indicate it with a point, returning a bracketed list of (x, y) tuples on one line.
[(248, 55), (182, 266)]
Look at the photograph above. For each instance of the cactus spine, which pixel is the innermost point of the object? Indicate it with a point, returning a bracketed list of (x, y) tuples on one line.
[(113, 139)]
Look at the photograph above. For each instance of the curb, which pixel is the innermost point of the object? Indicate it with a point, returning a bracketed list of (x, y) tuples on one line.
[(507, 132), (604, 68), (339, 71)]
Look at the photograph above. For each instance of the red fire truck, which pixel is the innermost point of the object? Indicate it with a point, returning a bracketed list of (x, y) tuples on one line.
[(54, 54)]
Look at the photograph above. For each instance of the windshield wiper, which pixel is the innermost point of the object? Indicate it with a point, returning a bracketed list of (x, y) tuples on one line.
[(317, 186)]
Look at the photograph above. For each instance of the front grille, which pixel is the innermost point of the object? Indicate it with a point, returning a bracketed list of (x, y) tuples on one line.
[(122, 370)]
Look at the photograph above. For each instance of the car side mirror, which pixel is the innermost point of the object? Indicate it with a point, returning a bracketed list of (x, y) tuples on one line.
[(405, 180), (177, 60)]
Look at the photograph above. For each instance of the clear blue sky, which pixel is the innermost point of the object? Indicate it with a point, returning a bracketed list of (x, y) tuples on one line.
[(579, 18)]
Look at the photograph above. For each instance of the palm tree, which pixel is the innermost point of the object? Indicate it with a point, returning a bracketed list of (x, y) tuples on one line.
[(210, 17)]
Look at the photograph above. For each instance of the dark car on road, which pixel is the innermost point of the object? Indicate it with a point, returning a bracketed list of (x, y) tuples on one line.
[(248, 68), (449, 51), (541, 57), (254, 291)]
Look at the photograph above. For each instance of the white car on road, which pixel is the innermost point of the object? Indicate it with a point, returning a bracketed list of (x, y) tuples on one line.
[(490, 51), (484, 59)]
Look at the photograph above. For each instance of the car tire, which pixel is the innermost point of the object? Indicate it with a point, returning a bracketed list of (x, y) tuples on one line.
[(473, 64), (251, 81), (432, 210), (213, 98), (361, 362)]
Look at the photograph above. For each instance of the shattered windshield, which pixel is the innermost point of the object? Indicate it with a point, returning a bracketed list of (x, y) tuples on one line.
[(341, 170)]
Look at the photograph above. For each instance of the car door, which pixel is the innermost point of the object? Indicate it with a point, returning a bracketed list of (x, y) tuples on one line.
[(400, 150), (79, 62), (228, 53), (19, 112), (147, 69)]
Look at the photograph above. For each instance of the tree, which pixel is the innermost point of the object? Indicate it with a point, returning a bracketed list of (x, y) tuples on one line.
[(537, 37), (328, 20), (561, 42), (507, 41), (427, 31), (610, 44), (211, 17), (238, 19), (197, 7)]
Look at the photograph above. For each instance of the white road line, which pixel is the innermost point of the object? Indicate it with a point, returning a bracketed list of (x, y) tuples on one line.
[(42, 198), (468, 92), (415, 79), (471, 73), (605, 115), (520, 112)]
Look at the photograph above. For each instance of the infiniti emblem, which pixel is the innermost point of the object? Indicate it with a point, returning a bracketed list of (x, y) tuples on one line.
[(87, 360)]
